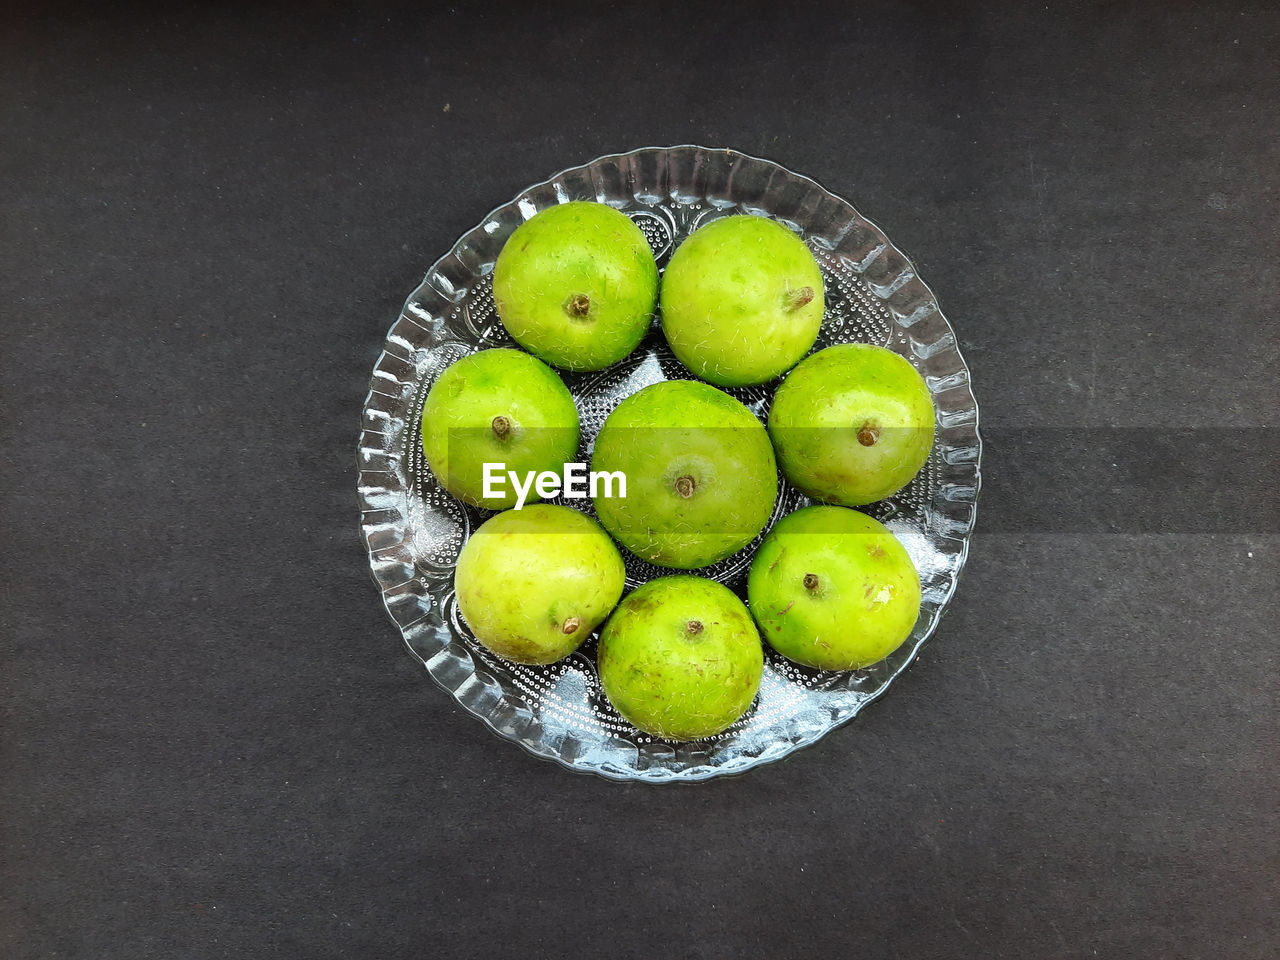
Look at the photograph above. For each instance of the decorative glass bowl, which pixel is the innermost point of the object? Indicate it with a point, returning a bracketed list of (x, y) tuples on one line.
[(414, 530)]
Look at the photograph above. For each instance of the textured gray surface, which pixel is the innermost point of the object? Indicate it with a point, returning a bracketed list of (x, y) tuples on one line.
[(214, 744)]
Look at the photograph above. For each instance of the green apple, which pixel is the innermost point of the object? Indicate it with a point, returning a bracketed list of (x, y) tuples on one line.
[(741, 301), (576, 285), (532, 584), (832, 588), (497, 406), (852, 424), (680, 658), (701, 479)]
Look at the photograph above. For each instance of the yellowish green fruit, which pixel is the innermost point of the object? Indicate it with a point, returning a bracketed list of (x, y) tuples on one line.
[(832, 588), (701, 477), (532, 584), (852, 424), (576, 284), (742, 301), (497, 406), (680, 658)]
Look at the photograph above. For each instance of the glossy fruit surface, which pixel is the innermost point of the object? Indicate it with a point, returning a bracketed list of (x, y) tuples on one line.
[(742, 301), (701, 475), (834, 589), (576, 284), (497, 406), (681, 658), (532, 584), (852, 424)]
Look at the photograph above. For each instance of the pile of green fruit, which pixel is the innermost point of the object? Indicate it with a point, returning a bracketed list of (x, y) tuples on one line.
[(741, 303)]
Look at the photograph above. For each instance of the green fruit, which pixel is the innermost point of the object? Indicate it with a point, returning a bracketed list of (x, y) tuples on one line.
[(832, 588), (576, 284), (496, 406), (532, 584), (741, 301), (852, 424), (701, 477), (680, 658)]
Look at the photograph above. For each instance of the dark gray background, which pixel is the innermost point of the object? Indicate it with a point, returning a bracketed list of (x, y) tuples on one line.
[(214, 744)]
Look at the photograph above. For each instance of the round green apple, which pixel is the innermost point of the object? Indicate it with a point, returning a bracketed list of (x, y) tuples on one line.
[(680, 658), (701, 479), (497, 406), (852, 424), (576, 285), (532, 584), (741, 301), (832, 588)]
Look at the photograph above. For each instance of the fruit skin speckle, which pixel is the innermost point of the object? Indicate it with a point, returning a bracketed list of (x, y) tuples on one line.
[(852, 424), (701, 475), (576, 285), (681, 658), (742, 301), (533, 584), (497, 406), (869, 595)]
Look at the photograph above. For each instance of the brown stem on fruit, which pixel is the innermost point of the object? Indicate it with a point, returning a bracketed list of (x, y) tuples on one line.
[(685, 486), (811, 582), (795, 299), (868, 434), (501, 427), (694, 627), (571, 625), (578, 306)]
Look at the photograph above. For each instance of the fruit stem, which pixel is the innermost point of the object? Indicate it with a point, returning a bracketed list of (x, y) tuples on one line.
[(501, 427), (578, 306), (795, 299), (571, 625), (694, 627), (811, 582), (685, 486), (868, 434)]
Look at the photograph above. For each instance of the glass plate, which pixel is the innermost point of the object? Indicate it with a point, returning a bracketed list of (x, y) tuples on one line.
[(414, 530)]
